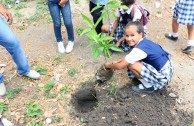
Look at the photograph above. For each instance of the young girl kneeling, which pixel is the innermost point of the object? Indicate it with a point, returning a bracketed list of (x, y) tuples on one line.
[(147, 61)]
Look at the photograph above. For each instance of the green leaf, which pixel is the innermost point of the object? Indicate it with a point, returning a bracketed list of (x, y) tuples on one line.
[(97, 7), (96, 51), (107, 53), (115, 48), (103, 15), (3, 107), (87, 20), (85, 31)]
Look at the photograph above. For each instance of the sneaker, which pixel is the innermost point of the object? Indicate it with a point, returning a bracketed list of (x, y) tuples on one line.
[(17, 2), (188, 49), (142, 89), (171, 37), (61, 47), (69, 47), (2, 89), (33, 74)]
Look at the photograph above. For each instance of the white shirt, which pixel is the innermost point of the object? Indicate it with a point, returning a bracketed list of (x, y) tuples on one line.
[(135, 55), (137, 13)]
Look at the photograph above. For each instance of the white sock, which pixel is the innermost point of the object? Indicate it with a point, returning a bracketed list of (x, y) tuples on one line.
[(190, 43), (175, 34), (145, 83)]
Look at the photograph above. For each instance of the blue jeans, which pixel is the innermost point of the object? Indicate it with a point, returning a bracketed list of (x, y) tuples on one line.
[(55, 10), (12, 45)]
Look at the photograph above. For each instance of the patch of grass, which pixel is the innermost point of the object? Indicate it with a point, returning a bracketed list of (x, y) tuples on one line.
[(58, 58), (80, 30), (33, 109), (112, 89), (77, 1), (34, 123), (21, 28), (41, 69), (66, 89), (48, 86), (18, 14), (52, 95), (3, 107), (49, 20), (58, 118), (41, 1), (83, 122), (11, 93), (72, 72), (20, 6)]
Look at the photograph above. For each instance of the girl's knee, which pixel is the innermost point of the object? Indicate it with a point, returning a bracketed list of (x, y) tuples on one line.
[(105, 28)]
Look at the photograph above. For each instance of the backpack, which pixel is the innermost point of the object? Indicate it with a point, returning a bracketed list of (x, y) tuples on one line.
[(145, 14)]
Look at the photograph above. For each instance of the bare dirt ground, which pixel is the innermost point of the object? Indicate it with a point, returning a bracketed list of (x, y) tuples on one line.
[(126, 107)]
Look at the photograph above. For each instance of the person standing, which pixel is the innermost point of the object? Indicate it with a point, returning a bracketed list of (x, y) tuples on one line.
[(97, 13), (62, 6), (183, 14), (11, 43)]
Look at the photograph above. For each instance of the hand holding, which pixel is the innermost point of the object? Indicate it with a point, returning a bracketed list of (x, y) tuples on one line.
[(6, 14), (62, 3)]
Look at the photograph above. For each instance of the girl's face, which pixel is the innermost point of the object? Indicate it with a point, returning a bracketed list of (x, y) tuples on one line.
[(132, 36)]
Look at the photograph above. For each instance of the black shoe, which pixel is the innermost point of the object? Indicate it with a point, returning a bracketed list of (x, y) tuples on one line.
[(169, 36), (188, 49), (144, 90)]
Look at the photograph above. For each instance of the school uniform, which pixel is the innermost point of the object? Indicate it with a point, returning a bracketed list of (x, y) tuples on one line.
[(125, 17), (157, 67), (184, 12)]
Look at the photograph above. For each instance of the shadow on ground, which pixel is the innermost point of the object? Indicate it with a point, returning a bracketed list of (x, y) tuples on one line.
[(127, 108)]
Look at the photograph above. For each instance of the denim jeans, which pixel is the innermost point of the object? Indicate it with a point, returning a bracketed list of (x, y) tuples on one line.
[(55, 10), (11, 43)]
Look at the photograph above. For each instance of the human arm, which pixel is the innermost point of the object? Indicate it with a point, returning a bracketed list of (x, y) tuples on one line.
[(62, 3), (134, 56), (117, 65), (116, 23), (6, 14), (120, 40)]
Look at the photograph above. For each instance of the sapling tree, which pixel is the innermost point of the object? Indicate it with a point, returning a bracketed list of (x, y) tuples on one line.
[(101, 43)]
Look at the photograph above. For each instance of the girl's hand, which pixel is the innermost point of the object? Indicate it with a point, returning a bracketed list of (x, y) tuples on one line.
[(6, 14), (62, 3)]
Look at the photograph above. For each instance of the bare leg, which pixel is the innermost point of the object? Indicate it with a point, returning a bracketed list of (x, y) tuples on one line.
[(190, 32), (136, 68), (105, 28), (175, 26)]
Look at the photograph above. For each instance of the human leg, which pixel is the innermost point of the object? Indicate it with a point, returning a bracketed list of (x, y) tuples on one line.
[(190, 44), (54, 9), (12, 45), (66, 13), (174, 35)]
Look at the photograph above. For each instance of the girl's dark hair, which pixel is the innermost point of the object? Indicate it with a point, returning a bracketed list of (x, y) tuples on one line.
[(139, 26), (128, 2)]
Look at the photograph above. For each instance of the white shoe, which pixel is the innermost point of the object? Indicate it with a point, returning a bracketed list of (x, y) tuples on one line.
[(69, 47), (61, 47), (17, 2), (2, 89), (33, 74)]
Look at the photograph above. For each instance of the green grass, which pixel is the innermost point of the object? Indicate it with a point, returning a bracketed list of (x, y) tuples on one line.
[(112, 89), (66, 89), (33, 109), (3, 107), (48, 86), (20, 6), (41, 69), (18, 14), (72, 72)]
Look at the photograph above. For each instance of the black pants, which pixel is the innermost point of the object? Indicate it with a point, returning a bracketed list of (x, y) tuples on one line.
[(96, 14)]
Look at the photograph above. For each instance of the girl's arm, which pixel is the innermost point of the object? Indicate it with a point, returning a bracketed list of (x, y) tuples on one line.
[(120, 40), (116, 22), (117, 65)]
